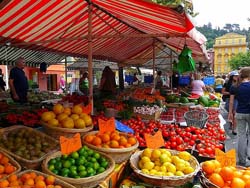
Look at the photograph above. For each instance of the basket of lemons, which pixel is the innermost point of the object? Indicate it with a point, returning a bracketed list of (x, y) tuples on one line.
[(66, 121), (164, 167)]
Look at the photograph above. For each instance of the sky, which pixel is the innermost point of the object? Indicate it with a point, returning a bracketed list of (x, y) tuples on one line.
[(220, 12)]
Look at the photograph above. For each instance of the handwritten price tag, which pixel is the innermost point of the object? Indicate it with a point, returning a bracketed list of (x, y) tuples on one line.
[(69, 145), (226, 159), (87, 109), (154, 141), (105, 126)]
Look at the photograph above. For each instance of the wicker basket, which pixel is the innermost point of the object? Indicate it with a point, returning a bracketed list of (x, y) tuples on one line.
[(154, 116), (57, 181), (206, 183), (56, 132), (87, 182), (13, 162), (196, 118), (119, 155), (25, 163), (162, 181)]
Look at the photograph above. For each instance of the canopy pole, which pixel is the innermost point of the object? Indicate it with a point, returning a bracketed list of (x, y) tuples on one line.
[(66, 73), (90, 51), (154, 61), (171, 77), (121, 79)]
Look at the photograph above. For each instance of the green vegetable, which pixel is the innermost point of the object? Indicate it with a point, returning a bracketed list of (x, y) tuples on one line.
[(204, 101)]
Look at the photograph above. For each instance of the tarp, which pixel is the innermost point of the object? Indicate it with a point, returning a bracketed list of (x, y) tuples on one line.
[(121, 29)]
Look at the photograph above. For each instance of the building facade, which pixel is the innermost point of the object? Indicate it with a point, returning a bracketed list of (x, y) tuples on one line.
[(226, 47)]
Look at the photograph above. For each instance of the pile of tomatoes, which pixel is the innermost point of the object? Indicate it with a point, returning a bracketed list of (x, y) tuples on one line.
[(181, 138)]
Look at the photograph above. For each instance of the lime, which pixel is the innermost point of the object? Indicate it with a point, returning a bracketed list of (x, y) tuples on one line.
[(77, 177), (58, 165), (81, 151), (73, 168), (52, 161), (96, 155), (55, 171), (85, 147), (66, 164), (91, 171), (64, 157), (100, 170), (72, 161), (96, 165), (93, 160), (101, 159), (65, 172), (73, 173), (51, 167), (74, 155), (90, 152), (104, 164), (82, 173), (80, 161), (81, 168), (89, 164)]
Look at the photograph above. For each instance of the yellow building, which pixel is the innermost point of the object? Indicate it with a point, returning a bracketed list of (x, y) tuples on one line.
[(226, 47)]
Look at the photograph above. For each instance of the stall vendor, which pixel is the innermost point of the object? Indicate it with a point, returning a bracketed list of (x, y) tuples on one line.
[(198, 86)]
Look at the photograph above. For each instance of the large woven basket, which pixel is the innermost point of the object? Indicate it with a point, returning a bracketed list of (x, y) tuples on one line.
[(87, 182), (162, 181), (206, 183), (119, 155), (196, 118), (154, 116), (25, 163), (57, 181), (13, 162), (56, 132)]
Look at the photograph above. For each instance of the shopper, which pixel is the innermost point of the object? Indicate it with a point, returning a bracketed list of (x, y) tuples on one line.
[(242, 94), (2, 82), (18, 82), (135, 79), (158, 80), (62, 83), (219, 82), (197, 85), (233, 103), (84, 83), (107, 84)]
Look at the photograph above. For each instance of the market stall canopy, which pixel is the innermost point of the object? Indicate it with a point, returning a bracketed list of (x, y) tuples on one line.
[(121, 30)]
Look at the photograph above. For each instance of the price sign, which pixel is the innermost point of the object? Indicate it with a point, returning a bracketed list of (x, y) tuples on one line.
[(154, 141), (69, 145), (226, 159), (87, 109), (106, 126)]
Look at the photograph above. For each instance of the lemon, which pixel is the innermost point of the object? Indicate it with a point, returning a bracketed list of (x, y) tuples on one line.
[(171, 168), (152, 172), (175, 159), (157, 168), (46, 116), (79, 124), (159, 173), (179, 173), (146, 152), (140, 164), (68, 123), (148, 165), (168, 153), (74, 116), (61, 116), (77, 109), (164, 158), (145, 159), (166, 163), (163, 169), (156, 153), (169, 174), (86, 118), (58, 108), (184, 155), (180, 166), (67, 110), (188, 170), (145, 171)]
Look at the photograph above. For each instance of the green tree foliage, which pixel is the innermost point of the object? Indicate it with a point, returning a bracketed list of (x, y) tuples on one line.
[(240, 60)]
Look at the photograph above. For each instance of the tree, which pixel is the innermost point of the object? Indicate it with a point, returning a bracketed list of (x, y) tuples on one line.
[(240, 60)]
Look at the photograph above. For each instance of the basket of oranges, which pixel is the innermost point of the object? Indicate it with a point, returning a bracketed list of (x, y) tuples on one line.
[(164, 167), (215, 176), (66, 121), (33, 178), (8, 165), (120, 146)]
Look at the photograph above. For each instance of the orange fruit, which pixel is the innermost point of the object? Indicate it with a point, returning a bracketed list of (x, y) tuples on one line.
[(58, 186), (1, 155), (61, 117), (74, 116), (115, 136), (217, 164), (12, 178), (33, 175), (58, 108), (238, 174), (39, 178), (24, 177), (247, 183), (79, 124), (9, 169), (53, 122), (114, 144), (4, 183), (5, 160), (227, 173), (67, 110), (77, 109), (29, 182), (96, 141), (89, 138), (123, 141), (50, 180), (68, 123), (217, 179), (46, 116), (237, 183), (105, 137), (40, 184), (132, 140), (208, 167), (2, 169), (14, 183)]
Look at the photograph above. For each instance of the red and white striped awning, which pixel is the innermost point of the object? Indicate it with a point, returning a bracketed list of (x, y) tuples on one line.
[(121, 29)]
